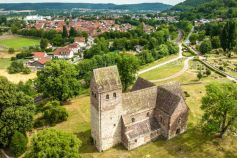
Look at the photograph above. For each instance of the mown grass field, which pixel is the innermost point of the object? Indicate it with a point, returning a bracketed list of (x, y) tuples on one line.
[(17, 42), (163, 71), (192, 144)]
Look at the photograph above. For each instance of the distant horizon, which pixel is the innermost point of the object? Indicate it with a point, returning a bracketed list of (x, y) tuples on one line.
[(121, 2)]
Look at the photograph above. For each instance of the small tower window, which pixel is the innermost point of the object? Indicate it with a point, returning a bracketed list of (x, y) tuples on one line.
[(95, 95), (107, 96), (133, 119), (135, 140), (148, 114), (161, 119), (114, 95)]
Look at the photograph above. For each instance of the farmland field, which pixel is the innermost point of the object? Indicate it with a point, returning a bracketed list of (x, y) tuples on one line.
[(17, 42)]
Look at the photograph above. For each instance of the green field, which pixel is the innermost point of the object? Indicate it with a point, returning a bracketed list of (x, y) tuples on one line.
[(163, 71), (167, 58), (191, 144), (18, 42)]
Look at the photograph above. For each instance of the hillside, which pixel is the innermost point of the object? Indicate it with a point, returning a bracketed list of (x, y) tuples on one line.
[(192, 9), (60, 6)]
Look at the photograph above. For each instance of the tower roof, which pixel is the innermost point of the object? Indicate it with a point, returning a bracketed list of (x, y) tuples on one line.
[(107, 78)]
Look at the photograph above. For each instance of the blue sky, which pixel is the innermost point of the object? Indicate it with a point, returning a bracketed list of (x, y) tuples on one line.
[(96, 1)]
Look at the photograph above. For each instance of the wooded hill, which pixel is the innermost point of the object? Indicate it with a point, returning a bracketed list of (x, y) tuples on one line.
[(61, 6), (193, 9)]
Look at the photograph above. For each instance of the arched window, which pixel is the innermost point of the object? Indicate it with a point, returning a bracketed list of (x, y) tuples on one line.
[(114, 95), (133, 119), (107, 96), (95, 95)]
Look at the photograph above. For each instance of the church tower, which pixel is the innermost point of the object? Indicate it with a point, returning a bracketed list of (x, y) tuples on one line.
[(106, 107)]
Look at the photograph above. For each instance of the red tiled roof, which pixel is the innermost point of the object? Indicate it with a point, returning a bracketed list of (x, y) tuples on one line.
[(62, 51), (39, 54), (43, 61)]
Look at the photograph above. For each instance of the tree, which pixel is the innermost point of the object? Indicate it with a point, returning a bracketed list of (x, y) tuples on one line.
[(228, 36), (208, 72), (72, 32), (11, 50), (205, 47), (54, 113), (18, 143), (128, 66), (145, 57), (59, 80), (16, 67), (64, 34), (193, 38), (16, 111), (215, 42), (58, 40), (44, 43), (199, 75), (220, 108), (53, 143)]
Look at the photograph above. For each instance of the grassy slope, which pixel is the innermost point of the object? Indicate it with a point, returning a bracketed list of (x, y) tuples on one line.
[(164, 71), (159, 61), (18, 42)]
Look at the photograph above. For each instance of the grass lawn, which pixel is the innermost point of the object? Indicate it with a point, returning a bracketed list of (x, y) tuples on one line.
[(191, 144), (163, 71), (4, 63), (159, 61), (17, 42)]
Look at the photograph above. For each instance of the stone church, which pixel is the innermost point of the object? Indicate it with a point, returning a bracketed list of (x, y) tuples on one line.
[(137, 117)]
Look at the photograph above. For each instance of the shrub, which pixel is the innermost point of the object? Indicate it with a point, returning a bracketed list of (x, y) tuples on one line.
[(18, 143), (16, 67), (26, 70), (11, 50), (54, 113), (199, 75), (53, 143)]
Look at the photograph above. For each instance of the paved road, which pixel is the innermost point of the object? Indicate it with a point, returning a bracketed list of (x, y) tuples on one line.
[(179, 39)]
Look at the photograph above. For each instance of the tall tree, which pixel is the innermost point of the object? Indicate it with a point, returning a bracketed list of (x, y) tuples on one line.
[(128, 66), (44, 43), (16, 111), (72, 32), (64, 34), (220, 108), (59, 80), (228, 35)]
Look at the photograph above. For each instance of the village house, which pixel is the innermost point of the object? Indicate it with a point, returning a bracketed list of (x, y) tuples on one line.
[(137, 117), (63, 53), (39, 60)]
